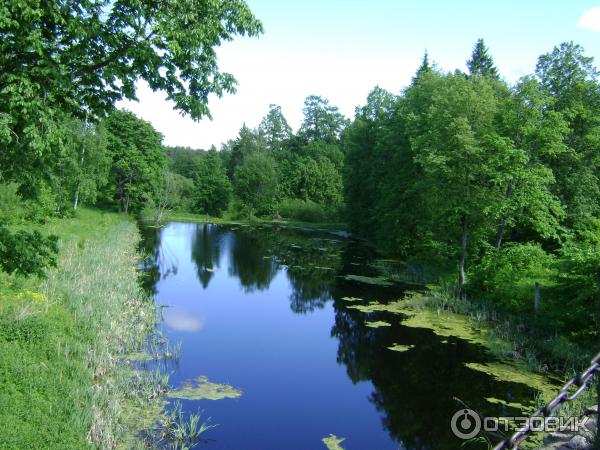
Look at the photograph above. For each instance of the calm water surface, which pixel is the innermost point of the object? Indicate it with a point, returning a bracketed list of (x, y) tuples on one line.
[(261, 309)]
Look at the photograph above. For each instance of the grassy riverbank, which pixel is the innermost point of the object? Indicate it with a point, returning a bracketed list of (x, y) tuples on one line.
[(64, 380)]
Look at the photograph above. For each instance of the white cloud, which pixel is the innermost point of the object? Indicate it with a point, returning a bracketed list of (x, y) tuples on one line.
[(590, 20)]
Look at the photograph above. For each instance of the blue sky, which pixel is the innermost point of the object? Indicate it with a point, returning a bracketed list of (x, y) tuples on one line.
[(342, 49)]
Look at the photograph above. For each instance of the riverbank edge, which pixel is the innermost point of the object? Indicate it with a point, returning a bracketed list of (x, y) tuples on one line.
[(65, 365), (174, 216), (519, 342)]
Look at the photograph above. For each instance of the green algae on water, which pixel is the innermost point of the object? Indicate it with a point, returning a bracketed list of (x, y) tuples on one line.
[(351, 299), (394, 307), (377, 281), (515, 372), (378, 324), (400, 347), (201, 388), (332, 442)]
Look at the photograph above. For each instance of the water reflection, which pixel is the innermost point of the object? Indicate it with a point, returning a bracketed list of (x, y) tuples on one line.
[(333, 372), (206, 251), (251, 262)]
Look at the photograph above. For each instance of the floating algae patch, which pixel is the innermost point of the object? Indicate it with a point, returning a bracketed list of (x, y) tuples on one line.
[(201, 388), (445, 324), (393, 307), (377, 281), (400, 347), (516, 372), (378, 324), (371, 307), (351, 299), (332, 442)]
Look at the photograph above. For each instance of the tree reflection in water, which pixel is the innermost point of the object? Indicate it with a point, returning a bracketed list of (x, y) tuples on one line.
[(413, 390)]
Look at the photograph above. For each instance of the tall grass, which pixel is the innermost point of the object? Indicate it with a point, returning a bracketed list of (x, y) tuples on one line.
[(64, 379)]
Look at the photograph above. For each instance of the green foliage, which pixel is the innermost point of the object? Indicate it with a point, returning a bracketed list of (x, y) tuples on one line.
[(27, 253), (316, 180), (306, 211), (212, 188), (62, 342), (184, 161), (255, 183), (275, 128), (12, 207), (578, 285), (571, 81), (78, 59), (322, 121), (507, 276), (501, 181), (137, 160), (481, 63)]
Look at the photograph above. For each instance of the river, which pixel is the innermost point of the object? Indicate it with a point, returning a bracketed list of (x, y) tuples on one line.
[(270, 313)]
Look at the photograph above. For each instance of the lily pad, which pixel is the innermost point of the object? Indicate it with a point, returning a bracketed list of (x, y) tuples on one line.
[(378, 324), (332, 442), (201, 388)]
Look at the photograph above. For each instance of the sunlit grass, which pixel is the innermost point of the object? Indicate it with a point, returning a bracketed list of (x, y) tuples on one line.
[(65, 380)]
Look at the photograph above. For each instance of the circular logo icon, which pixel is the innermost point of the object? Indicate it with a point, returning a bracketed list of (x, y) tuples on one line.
[(465, 424)]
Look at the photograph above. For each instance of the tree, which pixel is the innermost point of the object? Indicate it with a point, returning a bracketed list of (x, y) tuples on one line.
[(463, 161), (175, 192), (184, 160), (212, 188), (78, 58), (275, 128), (532, 133), (137, 160), (62, 59), (365, 166), (481, 63), (90, 162), (322, 121), (318, 180), (571, 81), (255, 183), (424, 68), (248, 142)]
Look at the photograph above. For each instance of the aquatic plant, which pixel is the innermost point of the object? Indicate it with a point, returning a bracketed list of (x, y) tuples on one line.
[(332, 442), (201, 388)]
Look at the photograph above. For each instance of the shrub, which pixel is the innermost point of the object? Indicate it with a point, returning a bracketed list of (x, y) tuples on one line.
[(306, 211), (507, 276)]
